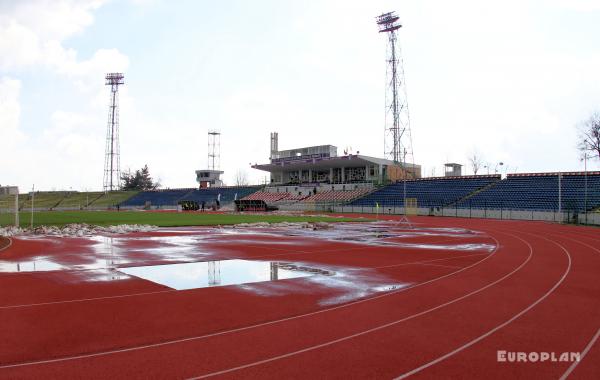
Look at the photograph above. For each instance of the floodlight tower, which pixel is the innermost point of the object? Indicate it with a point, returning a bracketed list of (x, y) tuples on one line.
[(398, 139), (112, 158), (214, 150)]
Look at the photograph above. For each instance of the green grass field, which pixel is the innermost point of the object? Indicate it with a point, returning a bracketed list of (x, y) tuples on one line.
[(161, 219)]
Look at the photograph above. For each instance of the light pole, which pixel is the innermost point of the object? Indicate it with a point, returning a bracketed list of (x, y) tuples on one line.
[(585, 186), (496, 167), (404, 170), (585, 157), (560, 196), (32, 199), (585, 194)]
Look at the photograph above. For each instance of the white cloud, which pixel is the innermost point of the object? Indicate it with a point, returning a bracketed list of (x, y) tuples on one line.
[(31, 32), (10, 134), (13, 142), (53, 19), (10, 111), (32, 36), (578, 5)]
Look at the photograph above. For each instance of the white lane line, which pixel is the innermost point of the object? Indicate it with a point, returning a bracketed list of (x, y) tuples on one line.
[(427, 261), (595, 337), (438, 265), (583, 353), (582, 243), (199, 337), (9, 244), (85, 299), (348, 337), (500, 326)]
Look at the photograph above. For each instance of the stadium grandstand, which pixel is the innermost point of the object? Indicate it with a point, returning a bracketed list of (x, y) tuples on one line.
[(317, 175), (337, 196), (271, 197), (429, 192), (573, 191), (303, 178), (170, 198), (316, 178), (316, 165)]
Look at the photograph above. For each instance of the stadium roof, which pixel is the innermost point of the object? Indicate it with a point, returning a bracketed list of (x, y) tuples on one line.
[(323, 163)]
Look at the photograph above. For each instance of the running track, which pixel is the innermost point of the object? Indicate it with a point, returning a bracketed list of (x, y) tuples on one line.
[(538, 291)]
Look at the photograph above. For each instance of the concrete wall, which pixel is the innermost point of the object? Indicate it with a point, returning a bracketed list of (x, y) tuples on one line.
[(592, 218)]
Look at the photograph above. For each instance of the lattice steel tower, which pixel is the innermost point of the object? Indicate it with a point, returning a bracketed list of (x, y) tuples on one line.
[(112, 158), (214, 150), (397, 138)]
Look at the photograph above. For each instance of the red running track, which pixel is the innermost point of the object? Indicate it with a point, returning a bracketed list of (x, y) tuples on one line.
[(537, 291)]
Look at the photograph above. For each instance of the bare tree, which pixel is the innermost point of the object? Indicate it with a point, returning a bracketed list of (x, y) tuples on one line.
[(241, 178), (476, 161), (589, 140)]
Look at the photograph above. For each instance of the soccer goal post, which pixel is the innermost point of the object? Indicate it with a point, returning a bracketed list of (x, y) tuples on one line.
[(410, 206)]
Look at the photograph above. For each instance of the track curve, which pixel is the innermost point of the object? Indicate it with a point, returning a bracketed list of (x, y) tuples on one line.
[(537, 292)]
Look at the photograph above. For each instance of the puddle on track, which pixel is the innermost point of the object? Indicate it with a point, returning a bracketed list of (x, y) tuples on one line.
[(220, 273), (344, 284), (187, 258), (34, 265)]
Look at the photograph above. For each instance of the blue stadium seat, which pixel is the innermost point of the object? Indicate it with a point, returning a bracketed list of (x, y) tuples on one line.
[(429, 192), (160, 198), (540, 192)]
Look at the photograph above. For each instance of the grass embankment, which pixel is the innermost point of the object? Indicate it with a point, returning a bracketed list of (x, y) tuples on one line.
[(161, 219), (67, 199)]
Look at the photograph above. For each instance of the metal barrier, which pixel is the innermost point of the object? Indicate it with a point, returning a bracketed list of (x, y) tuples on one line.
[(567, 216)]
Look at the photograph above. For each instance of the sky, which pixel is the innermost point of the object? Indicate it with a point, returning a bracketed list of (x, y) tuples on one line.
[(508, 79)]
